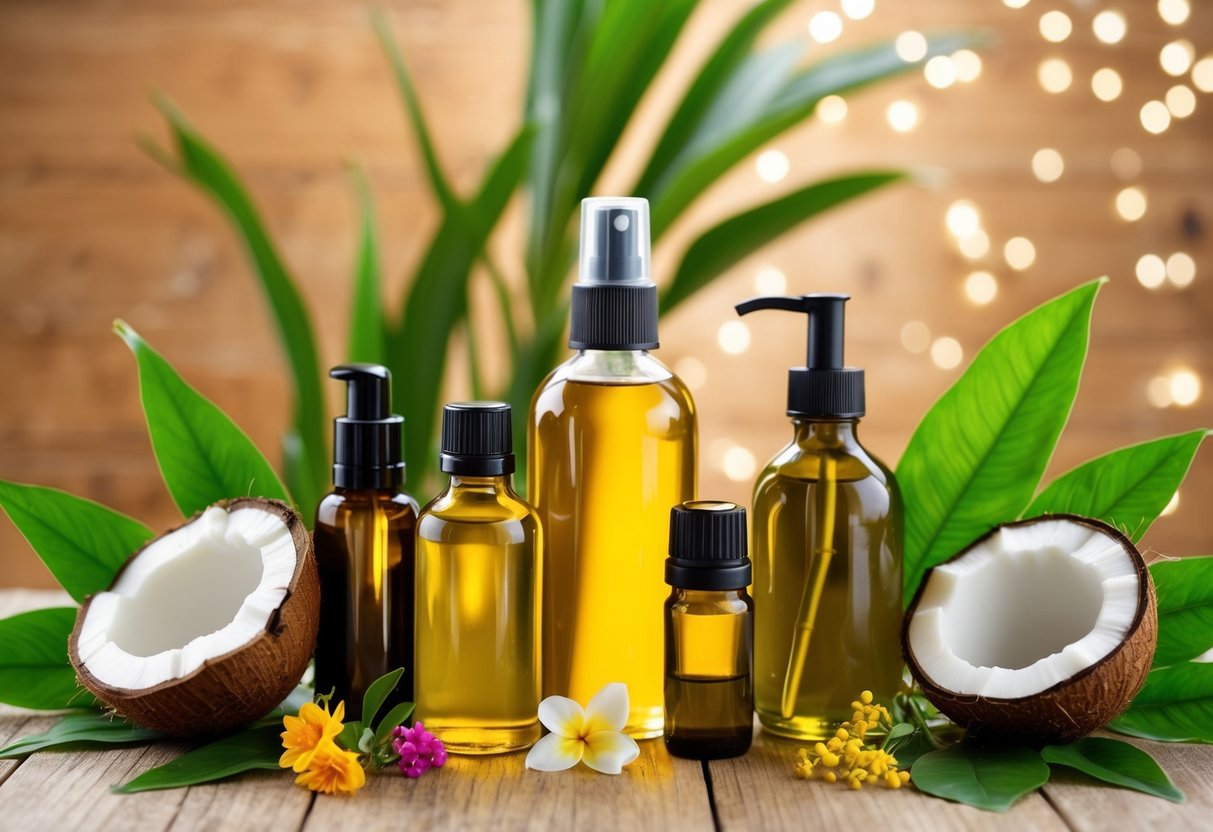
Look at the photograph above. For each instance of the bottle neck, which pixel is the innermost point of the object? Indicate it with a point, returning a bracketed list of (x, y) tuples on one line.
[(500, 484), (835, 433), (708, 595)]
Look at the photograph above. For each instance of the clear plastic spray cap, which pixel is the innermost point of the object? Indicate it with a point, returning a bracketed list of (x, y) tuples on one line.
[(615, 241)]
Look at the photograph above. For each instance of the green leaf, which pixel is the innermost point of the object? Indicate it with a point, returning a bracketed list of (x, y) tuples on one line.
[(1185, 608), (368, 336), (377, 693), (82, 543), (393, 719), (203, 456), (977, 456), (350, 734), (1115, 762), (734, 132), (76, 729), (34, 670), (1127, 488), (1175, 705), (255, 748), (987, 777), (201, 164), (739, 236)]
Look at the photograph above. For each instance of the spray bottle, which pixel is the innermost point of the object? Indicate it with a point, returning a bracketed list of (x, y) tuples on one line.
[(826, 546)]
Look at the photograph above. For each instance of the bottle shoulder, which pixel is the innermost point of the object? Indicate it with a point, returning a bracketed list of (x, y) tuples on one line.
[(701, 602), (566, 390), (338, 506), (806, 461), (478, 507)]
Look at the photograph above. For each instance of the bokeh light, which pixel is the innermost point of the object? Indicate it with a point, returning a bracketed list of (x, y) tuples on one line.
[(1185, 388), (1158, 392), (946, 353), (1106, 84), (1019, 253), (1015, 4), (1109, 26), (911, 46), (832, 109), (1054, 75), (1151, 271), (1177, 56), (1202, 74), (1047, 165), (1174, 12), (962, 218), (902, 116), (1126, 163), (772, 165), (733, 337), (968, 65), (692, 372), (1055, 26), (1181, 269), (858, 9), (1131, 204), (1181, 101), (974, 246), (981, 287), (1155, 117), (916, 337), (940, 72), (825, 27), (739, 464), (770, 281)]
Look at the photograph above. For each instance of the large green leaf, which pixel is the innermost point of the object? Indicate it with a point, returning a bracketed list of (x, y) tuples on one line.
[(734, 132), (75, 730), (253, 748), (1176, 705), (739, 236), (81, 542), (367, 335), (988, 777), (1127, 488), (977, 456), (1115, 762), (201, 164), (34, 670), (1185, 608), (203, 456)]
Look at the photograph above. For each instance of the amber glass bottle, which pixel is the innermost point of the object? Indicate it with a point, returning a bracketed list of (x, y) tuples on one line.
[(364, 548), (478, 580), (612, 446), (709, 692)]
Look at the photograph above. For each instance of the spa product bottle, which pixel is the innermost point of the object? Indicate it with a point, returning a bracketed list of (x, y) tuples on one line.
[(364, 547), (612, 439), (826, 548), (478, 580), (709, 692)]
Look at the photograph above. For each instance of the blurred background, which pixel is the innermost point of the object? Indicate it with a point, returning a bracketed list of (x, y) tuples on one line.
[(1076, 142)]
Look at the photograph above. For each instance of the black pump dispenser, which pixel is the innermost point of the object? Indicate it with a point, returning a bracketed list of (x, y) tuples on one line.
[(824, 388), (614, 304), (367, 439)]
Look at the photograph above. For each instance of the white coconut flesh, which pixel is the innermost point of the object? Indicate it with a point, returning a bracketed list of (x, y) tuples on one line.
[(1029, 607), (200, 592)]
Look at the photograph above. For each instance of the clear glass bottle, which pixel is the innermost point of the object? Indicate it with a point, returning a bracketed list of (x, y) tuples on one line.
[(478, 592), (709, 692), (612, 445), (827, 537), (364, 548)]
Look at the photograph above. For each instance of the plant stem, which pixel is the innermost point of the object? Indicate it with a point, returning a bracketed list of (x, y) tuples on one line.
[(502, 290)]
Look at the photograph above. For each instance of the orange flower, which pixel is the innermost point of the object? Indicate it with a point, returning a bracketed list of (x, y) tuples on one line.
[(305, 734), (333, 770)]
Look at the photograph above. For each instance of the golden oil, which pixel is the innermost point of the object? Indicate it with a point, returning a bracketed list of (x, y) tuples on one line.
[(612, 444), (478, 587), (827, 554)]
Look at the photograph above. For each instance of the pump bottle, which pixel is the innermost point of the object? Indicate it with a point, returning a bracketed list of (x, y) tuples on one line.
[(364, 547), (612, 445), (478, 579), (826, 546)]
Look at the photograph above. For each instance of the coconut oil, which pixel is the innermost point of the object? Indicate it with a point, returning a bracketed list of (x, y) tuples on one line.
[(478, 585)]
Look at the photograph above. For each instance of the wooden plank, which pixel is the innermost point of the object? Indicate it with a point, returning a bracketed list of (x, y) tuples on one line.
[(759, 791), (259, 801), (655, 792), (1086, 804)]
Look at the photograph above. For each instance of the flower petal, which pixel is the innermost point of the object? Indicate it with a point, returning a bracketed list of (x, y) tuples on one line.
[(609, 751), (608, 710), (555, 753), (562, 716)]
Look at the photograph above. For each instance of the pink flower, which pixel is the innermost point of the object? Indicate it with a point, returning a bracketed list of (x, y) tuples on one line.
[(419, 750)]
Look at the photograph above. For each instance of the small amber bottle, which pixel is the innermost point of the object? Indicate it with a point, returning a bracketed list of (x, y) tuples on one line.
[(709, 692), (364, 547), (478, 584)]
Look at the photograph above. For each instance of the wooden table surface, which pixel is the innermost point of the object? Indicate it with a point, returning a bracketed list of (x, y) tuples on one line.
[(61, 790)]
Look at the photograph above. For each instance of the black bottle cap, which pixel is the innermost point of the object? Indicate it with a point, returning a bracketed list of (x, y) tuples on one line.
[(824, 388), (707, 546), (614, 305), (477, 439), (367, 440)]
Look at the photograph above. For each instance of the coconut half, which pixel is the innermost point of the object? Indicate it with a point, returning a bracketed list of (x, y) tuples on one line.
[(209, 626), (1042, 630)]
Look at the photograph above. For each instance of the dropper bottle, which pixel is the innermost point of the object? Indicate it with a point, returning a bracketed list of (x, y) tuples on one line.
[(364, 547), (826, 545)]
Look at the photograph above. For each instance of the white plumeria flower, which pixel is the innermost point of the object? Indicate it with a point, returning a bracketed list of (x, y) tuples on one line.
[(593, 735)]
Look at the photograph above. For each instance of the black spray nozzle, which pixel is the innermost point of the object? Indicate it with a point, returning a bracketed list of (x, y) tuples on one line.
[(826, 324), (368, 393), (367, 440), (825, 387)]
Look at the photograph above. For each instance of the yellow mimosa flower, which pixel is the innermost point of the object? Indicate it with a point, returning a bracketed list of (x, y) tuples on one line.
[(305, 733), (593, 735)]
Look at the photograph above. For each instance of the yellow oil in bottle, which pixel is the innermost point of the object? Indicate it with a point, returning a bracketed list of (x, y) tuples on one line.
[(478, 635), (608, 459), (827, 582)]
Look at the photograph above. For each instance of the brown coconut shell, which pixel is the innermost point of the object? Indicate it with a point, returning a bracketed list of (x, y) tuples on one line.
[(238, 687), (1072, 708)]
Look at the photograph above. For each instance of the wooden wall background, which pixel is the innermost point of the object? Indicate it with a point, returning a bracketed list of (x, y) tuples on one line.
[(91, 230)]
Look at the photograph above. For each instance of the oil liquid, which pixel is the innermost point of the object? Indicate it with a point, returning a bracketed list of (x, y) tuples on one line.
[(805, 679), (478, 642), (364, 552), (607, 462)]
